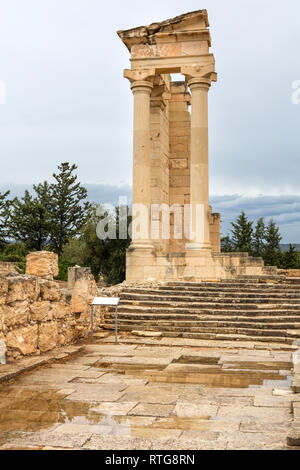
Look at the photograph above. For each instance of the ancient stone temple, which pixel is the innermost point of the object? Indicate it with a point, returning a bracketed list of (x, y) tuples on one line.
[(171, 157)]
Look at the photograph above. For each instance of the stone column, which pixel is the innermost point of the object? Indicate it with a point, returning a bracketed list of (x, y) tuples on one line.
[(141, 86), (199, 80), (199, 179)]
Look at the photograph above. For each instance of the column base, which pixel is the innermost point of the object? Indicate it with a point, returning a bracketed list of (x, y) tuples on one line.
[(198, 246), (143, 245)]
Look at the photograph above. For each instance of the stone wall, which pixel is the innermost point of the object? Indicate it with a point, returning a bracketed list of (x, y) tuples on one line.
[(7, 267), (289, 272), (37, 315)]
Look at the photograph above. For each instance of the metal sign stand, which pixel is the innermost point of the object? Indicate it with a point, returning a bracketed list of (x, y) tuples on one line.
[(108, 301)]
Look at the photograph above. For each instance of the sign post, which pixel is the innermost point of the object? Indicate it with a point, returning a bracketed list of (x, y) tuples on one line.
[(105, 301)]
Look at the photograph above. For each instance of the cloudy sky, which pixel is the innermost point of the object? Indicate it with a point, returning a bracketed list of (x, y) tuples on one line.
[(62, 63)]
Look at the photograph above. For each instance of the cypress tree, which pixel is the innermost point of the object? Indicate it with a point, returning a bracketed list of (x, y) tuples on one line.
[(259, 238), (242, 233), (273, 238)]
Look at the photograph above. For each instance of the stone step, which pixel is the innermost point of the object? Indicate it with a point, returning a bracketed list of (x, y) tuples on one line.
[(221, 337), (167, 309), (212, 305), (156, 297), (286, 320), (213, 294), (293, 282), (199, 324), (250, 308), (211, 330)]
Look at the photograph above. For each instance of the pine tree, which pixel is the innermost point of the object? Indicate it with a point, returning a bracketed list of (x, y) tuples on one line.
[(226, 245), (68, 207), (273, 238), (290, 259), (242, 233), (259, 234), (29, 220), (4, 217)]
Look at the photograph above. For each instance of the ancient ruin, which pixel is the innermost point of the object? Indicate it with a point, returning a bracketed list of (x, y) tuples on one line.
[(170, 155), (208, 351), (38, 313)]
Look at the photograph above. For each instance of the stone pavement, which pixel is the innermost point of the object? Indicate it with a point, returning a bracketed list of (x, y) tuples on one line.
[(153, 394)]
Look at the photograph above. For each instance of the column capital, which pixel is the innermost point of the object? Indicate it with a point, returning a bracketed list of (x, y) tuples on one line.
[(141, 75), (200, 75)]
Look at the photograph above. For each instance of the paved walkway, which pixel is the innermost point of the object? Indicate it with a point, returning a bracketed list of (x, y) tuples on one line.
[(168, 394)]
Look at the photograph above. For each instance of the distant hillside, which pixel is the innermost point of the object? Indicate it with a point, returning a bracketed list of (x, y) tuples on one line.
[(285, 246)]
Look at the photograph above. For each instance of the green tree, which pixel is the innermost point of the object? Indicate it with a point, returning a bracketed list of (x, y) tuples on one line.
[(259, 234), (29, 220), (290, 259), (226, 245), (114, 269), (105, 256), (272, 254), (242, 233), (4, 218), (69, 208)]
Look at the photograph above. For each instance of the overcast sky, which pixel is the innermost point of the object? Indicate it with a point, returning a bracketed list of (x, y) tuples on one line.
[(62, 63)]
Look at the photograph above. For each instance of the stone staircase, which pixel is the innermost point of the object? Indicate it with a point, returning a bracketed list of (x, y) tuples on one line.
[(260, 308)]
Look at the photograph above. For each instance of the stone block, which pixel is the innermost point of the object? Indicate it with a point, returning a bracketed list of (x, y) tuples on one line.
[(40, 311), (84, 288), (16, 314), (22, 288), (23, 340), (49, 290), (47, 336), (42, 264), (178, 163)]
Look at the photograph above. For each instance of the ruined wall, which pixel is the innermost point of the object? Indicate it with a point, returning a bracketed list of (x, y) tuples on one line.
[(7, 267), (37, 315)]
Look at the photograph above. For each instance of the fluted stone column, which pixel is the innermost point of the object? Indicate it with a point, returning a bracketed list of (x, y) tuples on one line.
[(141, 90), (199, 177)]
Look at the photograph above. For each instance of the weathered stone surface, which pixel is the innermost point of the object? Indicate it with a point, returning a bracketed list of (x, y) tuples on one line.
[(40, 311), (22, 288), (80, 296), (60, 310), (49, 290), (293, 438), (2, 352), (84, 289), (16, 314), (42, 264), (3, 289), (147, 334), (23, 340), (48, 336), (189, 410), (147, 409), (115, 409)]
